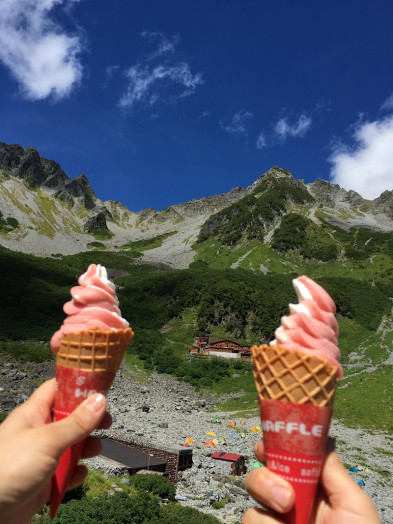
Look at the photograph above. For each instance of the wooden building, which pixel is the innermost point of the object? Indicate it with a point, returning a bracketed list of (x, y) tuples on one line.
[(226, 348)]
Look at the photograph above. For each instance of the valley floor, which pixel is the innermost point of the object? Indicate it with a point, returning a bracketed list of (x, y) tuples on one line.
[(164, 411)]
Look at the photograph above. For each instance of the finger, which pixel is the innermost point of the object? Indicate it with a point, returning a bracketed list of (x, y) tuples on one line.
[(269, 489), (259, 450), (77, 426), (258, 516), (92, 447), (341, 489)]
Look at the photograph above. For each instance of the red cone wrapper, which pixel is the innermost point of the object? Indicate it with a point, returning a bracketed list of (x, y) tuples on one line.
[(295, 437), (73, 386)]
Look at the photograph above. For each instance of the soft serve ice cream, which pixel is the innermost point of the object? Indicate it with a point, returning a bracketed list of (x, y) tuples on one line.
[(311, 326), (94, 304)]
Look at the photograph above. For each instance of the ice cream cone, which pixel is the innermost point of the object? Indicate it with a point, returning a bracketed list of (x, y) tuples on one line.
[(86, 363), (295, 393), (293, 376)]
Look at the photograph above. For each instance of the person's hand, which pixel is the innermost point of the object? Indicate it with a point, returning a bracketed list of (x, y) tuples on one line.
[(30, 448), (339, 500)]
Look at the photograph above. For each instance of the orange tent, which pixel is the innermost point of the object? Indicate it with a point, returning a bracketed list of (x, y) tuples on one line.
[(241, 422), (189, 441), (233, 424), (256, 428), (210, 443)]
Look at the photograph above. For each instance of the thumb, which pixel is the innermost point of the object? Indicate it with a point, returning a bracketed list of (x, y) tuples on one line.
[(342, 490), (78, 425)]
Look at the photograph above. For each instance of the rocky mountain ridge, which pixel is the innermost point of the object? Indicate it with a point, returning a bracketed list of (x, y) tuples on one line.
[(44, 212)]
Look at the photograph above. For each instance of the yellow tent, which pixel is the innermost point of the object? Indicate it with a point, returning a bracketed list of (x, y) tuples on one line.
[(189, 441), (211, 433)]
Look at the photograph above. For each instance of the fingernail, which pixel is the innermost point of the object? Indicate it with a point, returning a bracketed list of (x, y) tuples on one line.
[(280, 497), (95, 403)]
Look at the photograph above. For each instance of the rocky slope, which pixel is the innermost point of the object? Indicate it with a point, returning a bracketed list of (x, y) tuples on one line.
[(44, 212), (163, 411)]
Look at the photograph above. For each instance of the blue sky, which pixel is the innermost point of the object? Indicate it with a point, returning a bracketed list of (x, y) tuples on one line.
[(159, 102)]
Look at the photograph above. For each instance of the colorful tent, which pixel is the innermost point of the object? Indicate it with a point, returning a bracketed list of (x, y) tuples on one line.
[(189, 441), (256, 464), (256, 428), (231, 423), (210, 443), (211, 433), (241, 422), (234, 435)]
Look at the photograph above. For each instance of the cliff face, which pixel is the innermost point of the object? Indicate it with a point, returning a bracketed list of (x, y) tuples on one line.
[(43, 211)]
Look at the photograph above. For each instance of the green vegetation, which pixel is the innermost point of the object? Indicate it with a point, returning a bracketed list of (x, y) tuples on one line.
[(297, 232), (155, 484), (136, 248), (109, 501), (96, 245), (26, 352), (366, 399), (251, 216), (218, 504), (8, 224)]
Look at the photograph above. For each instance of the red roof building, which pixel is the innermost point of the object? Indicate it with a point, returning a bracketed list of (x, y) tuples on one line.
[(230, 457), (238, 466)]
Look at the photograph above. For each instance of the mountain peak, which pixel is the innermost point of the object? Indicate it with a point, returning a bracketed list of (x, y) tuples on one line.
[(274, 172)]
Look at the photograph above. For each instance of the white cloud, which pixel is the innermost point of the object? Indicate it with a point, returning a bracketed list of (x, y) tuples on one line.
[(388, 104), (150, 81), (147, 84), (237, 124), (166, 44), (261, 141), (284, 130), (366, 168), (40, 55)]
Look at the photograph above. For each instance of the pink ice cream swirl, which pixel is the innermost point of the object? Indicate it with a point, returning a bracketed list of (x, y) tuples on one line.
[(94, 304), (311, 326)]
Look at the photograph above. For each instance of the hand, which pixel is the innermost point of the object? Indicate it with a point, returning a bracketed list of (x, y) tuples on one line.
[(338, 500), (30, 447)]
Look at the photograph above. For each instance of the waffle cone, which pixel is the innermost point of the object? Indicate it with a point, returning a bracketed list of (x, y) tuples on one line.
[(293, 376), (94, 350)]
